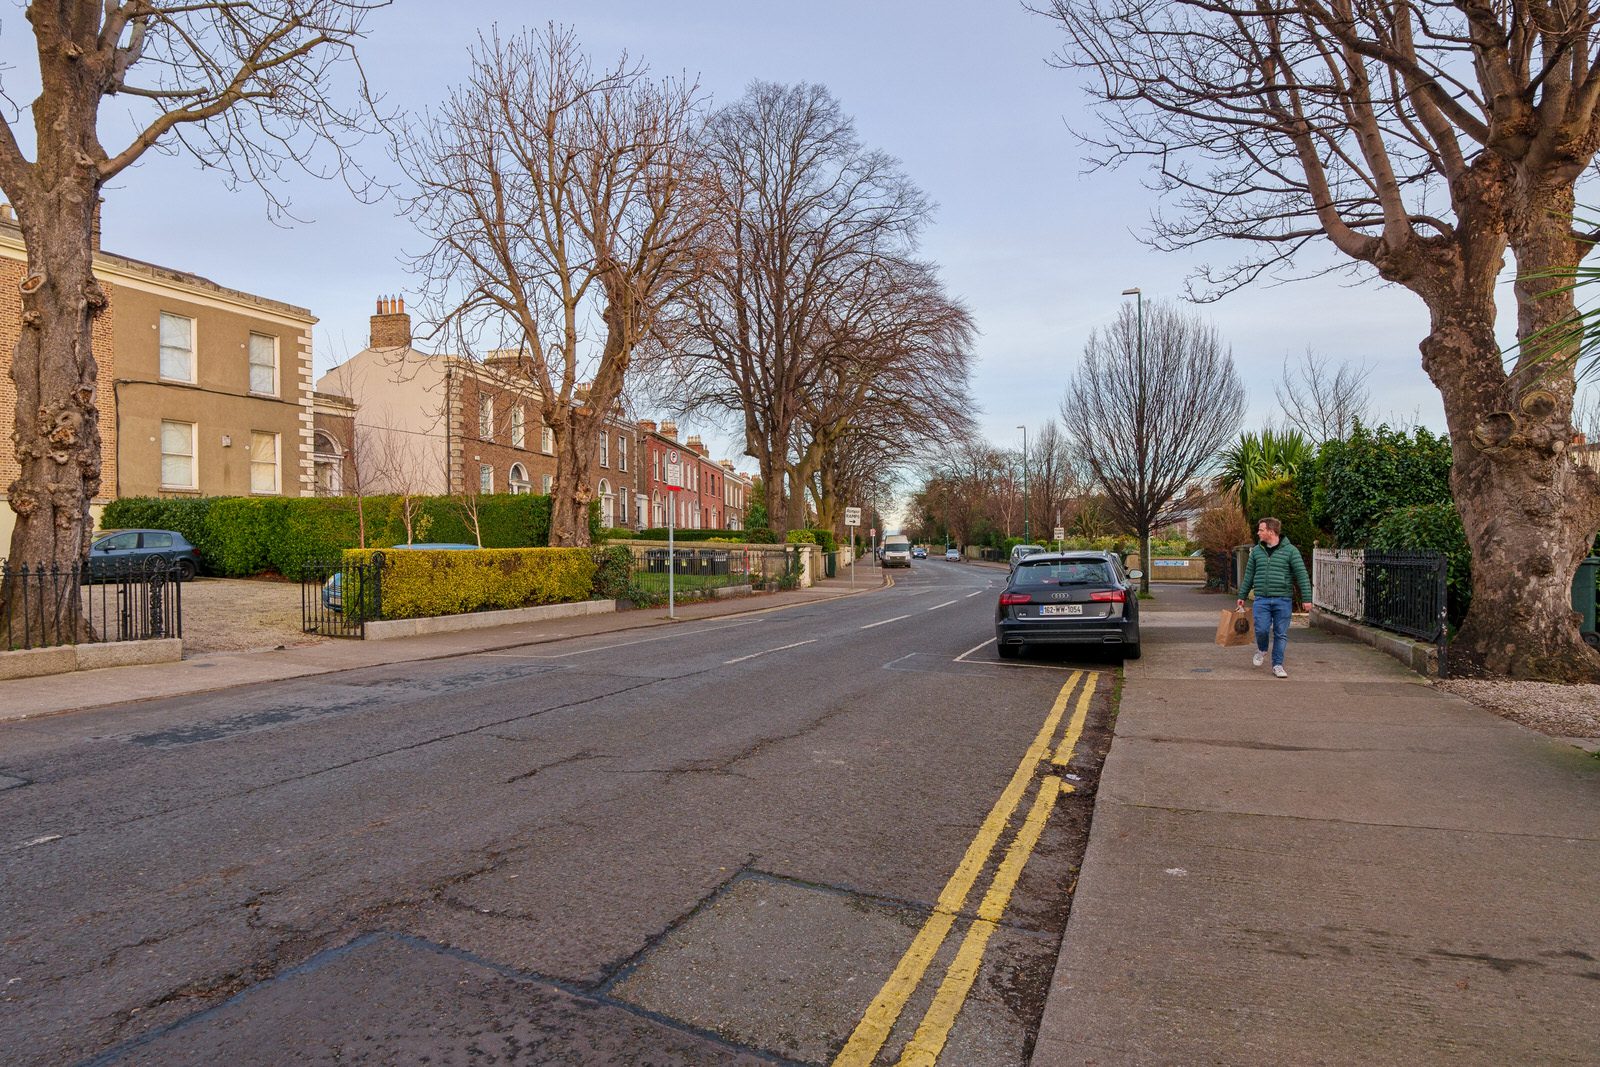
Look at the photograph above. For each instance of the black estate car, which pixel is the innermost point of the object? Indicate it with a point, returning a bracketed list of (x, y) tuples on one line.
[(1069, 598)]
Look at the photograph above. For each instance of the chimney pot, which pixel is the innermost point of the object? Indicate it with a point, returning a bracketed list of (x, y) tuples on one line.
[(391, 326)]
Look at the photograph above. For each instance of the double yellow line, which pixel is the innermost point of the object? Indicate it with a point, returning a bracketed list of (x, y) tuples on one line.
[(881, 1015)]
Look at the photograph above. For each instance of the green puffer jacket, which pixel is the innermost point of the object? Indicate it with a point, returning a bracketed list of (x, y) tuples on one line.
[(1275, 573)]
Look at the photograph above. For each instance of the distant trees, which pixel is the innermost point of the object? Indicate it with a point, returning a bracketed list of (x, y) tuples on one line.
[(561, 203), (813, 322), (1323, 402), (1149, 409), (247, 89)]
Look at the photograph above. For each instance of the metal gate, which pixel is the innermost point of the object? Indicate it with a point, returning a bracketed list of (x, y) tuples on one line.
[(337, 597)]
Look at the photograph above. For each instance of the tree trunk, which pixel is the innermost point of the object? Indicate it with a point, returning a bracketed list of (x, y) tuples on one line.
[(1530, 512), (57, 430), (573, 489)]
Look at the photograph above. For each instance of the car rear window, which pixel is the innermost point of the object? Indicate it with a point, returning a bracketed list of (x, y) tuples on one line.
[(1063, 572), (158, 540)]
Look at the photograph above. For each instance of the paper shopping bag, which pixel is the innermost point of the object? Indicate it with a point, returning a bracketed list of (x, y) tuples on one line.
[(1234, 628)]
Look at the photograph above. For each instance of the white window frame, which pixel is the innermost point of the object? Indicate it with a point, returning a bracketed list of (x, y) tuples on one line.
[(519, 427), (547, 440), (194, 348), (485, 416), (605, 449), (193, 457), (251, 364), (608, 506), (548, 483), (485, 478), (519, 485), (277, 463), (622, 452)]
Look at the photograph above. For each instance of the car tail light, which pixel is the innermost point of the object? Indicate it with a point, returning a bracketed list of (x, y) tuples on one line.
[(1116, 596), (1015, 598)]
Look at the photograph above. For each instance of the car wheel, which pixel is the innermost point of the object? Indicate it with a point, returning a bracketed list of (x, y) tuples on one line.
[(1009, 651), (183, 570), (1131, 651)]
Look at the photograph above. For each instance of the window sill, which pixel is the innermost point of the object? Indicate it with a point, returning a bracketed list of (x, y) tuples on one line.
[(186, 489)]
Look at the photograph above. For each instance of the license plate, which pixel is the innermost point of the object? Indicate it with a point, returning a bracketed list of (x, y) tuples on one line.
[(1061, 609)]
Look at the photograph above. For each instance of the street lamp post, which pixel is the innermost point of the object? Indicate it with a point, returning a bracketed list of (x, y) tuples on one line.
[(1025, 538), (1144, 543)]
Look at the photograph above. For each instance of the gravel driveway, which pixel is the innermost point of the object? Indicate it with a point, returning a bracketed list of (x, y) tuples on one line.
[(241, 615)]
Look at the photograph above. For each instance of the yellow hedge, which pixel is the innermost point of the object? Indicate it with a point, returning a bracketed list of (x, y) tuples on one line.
[(422, 583)]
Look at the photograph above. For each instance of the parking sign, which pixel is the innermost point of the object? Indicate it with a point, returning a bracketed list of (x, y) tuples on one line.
[(852, 516)]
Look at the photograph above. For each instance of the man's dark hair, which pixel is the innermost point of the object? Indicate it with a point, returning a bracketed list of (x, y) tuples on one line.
[(1272, 524)]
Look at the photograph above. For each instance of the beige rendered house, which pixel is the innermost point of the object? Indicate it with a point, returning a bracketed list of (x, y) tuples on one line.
[(202, 390)]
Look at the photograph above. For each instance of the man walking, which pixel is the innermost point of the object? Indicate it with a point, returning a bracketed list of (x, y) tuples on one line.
[(1273, 570)]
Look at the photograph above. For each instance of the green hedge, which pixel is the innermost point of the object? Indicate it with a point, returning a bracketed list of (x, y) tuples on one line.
[(423, 583), (1360, 480), (241, 536)]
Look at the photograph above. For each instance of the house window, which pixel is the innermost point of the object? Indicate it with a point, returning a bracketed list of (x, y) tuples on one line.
[(547, 440), (622, 508), (546, 485), (485, 478), (327, 465), (622, 454), (485, 417), (177, 348), (519, 437), (263, 462), (655, 461), (605, 450), (177, 455), (519, 479), (658, 513), (263, 365)]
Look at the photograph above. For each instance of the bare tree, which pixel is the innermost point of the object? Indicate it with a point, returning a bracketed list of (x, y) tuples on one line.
[(1057, 479), (243, 87), (1149, 409), (1423, 142), (895, 382), (560, 202), (803, 221), (1323, 402)]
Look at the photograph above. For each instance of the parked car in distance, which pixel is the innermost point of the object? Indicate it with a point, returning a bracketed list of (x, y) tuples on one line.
[(1018, 551), (116, 552), (896, 551), (952, 555), (1069, 598), (919, 552), (333, 588)]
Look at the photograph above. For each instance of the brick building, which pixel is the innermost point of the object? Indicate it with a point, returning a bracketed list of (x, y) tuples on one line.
[(714, 495), (202, 390), (445, 424)]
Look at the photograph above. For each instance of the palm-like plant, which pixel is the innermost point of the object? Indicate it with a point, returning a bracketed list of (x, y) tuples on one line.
[(1258, 458)]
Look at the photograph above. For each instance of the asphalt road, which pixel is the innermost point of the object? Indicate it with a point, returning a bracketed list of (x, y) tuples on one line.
[(800, 835)]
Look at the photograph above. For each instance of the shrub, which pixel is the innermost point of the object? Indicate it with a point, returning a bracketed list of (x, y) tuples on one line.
[(1360, 480), (801, 537), (422, 583), (613, 571), (1436, 528)]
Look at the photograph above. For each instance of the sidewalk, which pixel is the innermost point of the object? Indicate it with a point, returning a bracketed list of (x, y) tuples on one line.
[(28, 697), (1347, 866)]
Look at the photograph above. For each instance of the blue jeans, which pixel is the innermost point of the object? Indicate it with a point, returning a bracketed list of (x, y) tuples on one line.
[(1272, 612)]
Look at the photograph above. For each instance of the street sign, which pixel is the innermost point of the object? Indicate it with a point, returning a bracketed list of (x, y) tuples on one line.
[(674, 472), (1061, 534), (872, 532), (852, 516)]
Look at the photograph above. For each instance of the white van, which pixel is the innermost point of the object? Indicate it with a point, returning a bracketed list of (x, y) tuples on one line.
[(897, 551)]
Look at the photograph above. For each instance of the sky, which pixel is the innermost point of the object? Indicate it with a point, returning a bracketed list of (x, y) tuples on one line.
[(960, 91)]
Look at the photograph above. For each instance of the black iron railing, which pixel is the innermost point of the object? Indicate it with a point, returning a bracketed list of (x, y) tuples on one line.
[(47, 604), (703, 571), (338, 596), (1405, 592)]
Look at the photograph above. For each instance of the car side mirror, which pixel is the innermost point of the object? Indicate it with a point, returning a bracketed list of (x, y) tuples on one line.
[(1136, 575)]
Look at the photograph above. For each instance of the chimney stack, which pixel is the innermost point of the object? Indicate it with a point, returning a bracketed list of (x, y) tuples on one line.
[(391, 326), (647, 426), (669, 430), (694, 444)]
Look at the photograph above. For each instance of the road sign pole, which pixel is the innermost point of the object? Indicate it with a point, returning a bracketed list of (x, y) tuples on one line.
[(852, 557), (672, 558)]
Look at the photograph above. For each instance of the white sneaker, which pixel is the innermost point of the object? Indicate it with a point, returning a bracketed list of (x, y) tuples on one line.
[(1258, 659), (1279, 672)]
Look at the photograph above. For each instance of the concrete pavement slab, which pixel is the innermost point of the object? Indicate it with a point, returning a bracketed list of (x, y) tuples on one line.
[(1344, 866)]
